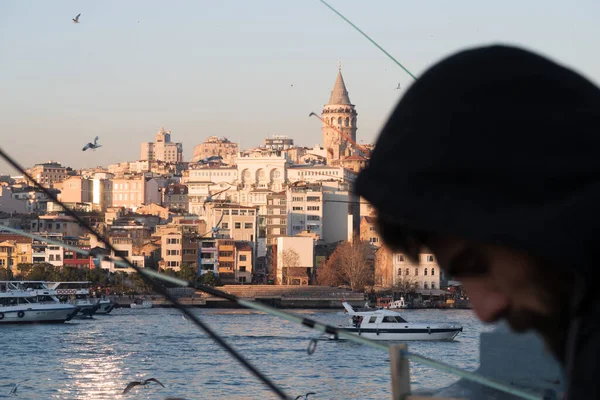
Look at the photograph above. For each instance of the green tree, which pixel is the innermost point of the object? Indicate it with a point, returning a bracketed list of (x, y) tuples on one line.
[(188, 273), (209, 279), (5, 274)]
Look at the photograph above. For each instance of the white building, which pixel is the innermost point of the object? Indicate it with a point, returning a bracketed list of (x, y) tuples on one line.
[(316, 173), (302, 246), (262, 169), (426, 275)]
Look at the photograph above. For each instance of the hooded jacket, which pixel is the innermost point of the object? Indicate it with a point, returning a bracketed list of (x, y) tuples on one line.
[(500, 145)]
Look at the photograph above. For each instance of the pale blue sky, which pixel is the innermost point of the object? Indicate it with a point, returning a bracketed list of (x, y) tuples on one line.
[(225, 67)]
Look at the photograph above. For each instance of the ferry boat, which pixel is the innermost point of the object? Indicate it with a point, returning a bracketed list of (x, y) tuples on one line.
[(19, 305), (141, 303), (383, 324), (77, 294)]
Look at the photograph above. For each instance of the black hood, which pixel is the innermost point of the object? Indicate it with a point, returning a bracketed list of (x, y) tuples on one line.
[(495, 144)]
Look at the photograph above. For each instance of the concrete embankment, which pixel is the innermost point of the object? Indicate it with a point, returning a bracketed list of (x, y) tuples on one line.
[(277, 296)]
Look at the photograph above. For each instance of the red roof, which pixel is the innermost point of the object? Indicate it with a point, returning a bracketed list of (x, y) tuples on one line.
[(355, 157)]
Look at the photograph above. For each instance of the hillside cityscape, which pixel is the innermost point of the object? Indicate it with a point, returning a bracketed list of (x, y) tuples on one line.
[(278, 213)]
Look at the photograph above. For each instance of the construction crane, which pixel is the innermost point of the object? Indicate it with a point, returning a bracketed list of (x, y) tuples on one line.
[(365, 151)]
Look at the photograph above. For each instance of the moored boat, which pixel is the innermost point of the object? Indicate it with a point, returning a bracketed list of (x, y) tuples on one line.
[(105, 306), (384, 324), (141, 303), (21, 306)]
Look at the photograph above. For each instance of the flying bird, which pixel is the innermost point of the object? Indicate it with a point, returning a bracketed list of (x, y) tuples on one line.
[(91, 145), (141, 383), (397, 88), (305, 397), (211, 198), (210, 159), (13, 391), (76, 19), (215, 229)]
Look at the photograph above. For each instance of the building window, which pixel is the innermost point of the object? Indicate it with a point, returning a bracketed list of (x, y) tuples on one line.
[(313, 198), (424, 285), (248, 225), (172, 252), (399, 271), (400, 258), (298, 208), (313, 208), (430, 259), (238, 225), (417, 271), (432, 271), (235, 212), (433, 285), (58, 257), (425, 271), (243, 269), (406, 272), (373, 240), (51, 257), (313, 218), (225, 225)]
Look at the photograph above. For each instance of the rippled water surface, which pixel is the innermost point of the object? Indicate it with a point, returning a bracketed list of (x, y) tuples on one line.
[(95, 359)]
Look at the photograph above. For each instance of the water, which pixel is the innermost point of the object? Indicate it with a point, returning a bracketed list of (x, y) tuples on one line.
[(95, 359)]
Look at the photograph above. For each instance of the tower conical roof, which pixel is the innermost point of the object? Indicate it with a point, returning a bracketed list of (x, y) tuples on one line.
[(339, 94)]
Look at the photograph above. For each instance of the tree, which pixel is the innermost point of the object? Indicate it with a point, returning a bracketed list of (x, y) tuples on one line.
[(209, 279), (289, 259), (5, 274), (349, 264), (187, 273), (406, 284)]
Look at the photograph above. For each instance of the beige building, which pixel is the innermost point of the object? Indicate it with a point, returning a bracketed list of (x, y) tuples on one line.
[(338, 115), (162, 149), (239, 222), (14, 250), (76, 189), (368, 231), (215, 146), (171, 248), (226, 260), (295, 255), (262, 169), (48, 174), (131, 192), (243, 262)]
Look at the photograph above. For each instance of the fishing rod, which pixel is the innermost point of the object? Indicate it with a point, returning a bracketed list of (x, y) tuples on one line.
[(370, 40), (159, 288), (335, 332)]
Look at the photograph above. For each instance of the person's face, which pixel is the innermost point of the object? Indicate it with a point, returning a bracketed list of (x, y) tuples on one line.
[(506, 284)]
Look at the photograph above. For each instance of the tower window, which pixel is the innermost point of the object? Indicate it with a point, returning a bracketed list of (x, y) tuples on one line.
[(347, 121), (339, 120)]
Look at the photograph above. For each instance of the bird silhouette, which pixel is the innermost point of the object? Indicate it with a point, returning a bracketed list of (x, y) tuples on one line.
[(13, 391), (141, 383), (91, 145), (76, 19), (305, 397), (398, 87), (211, 198)]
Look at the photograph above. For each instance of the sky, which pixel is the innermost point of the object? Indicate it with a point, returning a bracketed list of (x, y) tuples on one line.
[(241, 69)]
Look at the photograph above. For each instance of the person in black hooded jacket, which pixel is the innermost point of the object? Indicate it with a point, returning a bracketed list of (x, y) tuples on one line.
[(491, 160)]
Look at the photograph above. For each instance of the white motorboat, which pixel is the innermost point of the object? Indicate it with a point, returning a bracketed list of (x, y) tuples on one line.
[(19, 306), (398, 304), (385, 324), (141, 303)]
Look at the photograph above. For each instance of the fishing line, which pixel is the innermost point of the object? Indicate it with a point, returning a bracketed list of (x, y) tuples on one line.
[(154, 283), (370, 40)]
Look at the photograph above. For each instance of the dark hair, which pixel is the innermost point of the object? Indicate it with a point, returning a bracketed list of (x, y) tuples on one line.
[(401, 238)]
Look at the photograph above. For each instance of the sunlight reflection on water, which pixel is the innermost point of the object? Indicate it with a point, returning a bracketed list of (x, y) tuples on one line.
[(96, 359)]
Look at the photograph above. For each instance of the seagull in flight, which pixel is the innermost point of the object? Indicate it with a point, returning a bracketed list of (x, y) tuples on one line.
[(398, 88), (76, 19), (210, 159), (211, 198), (305, 397), (13, 391), (141, 383), (91, 145), (215, 229)]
